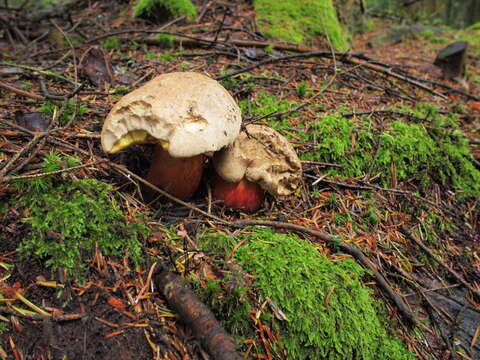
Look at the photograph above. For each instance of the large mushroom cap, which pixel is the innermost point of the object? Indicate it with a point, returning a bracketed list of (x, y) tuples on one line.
[(263, 156), (187, 113)]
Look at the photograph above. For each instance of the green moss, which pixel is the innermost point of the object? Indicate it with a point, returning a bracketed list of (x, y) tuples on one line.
[(472, 36), (112, 43), (298, 21), (326, 305), (232, 305), (158, 9), (269, 49), (166, 40), (265, 104), (68, 219), (67, 114), (420, 153)]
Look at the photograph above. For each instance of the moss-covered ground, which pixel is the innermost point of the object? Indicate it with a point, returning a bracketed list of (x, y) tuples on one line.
[(325, 304)]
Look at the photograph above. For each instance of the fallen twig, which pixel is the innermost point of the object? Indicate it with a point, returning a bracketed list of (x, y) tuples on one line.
[(197, 316), (56, 172)]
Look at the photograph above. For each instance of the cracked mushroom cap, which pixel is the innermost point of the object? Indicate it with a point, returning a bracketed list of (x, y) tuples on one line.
[(261, 155), (187, 113)]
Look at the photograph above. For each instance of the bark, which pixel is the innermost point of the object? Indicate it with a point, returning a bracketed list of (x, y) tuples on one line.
[(196, 315)]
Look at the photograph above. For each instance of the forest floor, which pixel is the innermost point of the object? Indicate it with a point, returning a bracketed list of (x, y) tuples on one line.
[(416, 228)]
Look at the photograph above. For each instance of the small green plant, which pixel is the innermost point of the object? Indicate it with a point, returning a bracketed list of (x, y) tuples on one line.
[(167, 56), (69, 218), (269, 49), (112, 43), (26, 85), (302, 88), (166, 40), (157, 9), (150, 55), (71, 108)]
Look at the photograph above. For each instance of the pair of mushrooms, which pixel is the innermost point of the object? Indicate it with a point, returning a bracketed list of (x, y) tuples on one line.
[(189, 116)]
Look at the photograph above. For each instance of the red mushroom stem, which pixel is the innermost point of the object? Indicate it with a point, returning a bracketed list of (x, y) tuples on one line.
[(180, 177), (244, 195)]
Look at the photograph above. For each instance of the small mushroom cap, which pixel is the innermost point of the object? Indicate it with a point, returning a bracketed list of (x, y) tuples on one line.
[(261, 155), (187, 113)]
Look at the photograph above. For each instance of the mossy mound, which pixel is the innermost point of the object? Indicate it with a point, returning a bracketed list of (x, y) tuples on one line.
[(434, 150), (331, 314), (164, 9), (298, 21), (70, 218)]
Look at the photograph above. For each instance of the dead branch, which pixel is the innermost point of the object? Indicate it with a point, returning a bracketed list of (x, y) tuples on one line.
[(196, 315)]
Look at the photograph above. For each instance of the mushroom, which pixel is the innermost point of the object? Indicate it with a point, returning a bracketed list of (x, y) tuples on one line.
[(186, 115), (259, 160)]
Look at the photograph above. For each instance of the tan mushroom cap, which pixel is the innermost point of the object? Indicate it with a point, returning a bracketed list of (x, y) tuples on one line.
[(261, 155), (187, 113)]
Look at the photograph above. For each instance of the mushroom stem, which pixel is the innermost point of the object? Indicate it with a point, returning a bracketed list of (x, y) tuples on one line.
[(244, 195), (178, 176)]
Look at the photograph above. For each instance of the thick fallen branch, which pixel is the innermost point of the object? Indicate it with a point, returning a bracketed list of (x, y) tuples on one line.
[(197, 316), (347, 248)]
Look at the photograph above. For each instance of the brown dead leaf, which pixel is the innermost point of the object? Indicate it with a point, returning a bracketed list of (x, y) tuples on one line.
[(33, 121), (95, 64)]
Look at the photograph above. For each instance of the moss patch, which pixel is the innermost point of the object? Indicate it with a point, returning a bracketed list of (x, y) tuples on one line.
[(472, 36), (326, 304), (164, 9), (298, 21), (433, 150), (68, 218)]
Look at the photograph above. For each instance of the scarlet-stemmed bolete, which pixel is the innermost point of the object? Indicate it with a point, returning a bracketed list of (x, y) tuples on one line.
[(259, 160), (185, 115)]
